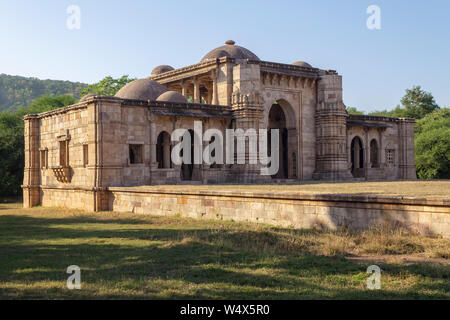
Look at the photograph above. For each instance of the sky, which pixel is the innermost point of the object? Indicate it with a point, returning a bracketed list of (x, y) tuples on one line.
[(118, 37)]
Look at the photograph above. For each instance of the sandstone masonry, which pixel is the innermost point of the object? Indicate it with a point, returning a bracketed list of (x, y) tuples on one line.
[(79, 155)]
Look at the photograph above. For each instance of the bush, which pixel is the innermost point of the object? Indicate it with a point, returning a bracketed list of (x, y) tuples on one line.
[(432, 143)]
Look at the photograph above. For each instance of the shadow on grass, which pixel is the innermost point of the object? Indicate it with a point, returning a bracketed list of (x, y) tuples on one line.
[(121, 262)]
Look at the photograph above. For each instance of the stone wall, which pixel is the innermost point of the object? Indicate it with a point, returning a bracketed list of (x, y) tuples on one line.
[(68, 198), (395, 142), (425, 216), (71, 126)]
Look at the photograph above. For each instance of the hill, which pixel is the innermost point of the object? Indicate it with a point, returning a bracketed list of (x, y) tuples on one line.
[(17, 91)]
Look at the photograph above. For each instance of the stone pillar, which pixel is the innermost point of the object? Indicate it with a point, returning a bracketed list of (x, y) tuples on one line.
[(380, 148), (331, 118), (366, 153), (183, 89), (31, 177), (248, 112), (407, 166), (225, 83), (153, 141), (292, 147), (209, 97), (215, 97), (248, 108), (196, 96)]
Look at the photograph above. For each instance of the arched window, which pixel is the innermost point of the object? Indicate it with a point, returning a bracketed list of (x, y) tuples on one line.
[(357, 157), (277, 120), (374, 154), (163, 150)]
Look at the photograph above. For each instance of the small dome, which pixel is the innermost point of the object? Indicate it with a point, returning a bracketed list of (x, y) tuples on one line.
[(230, 50), (302, 64), (141, 89), (88, 96), (172, 96), (161, 69)]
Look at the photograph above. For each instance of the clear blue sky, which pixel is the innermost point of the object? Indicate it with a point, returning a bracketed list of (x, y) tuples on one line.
[(132, 37)]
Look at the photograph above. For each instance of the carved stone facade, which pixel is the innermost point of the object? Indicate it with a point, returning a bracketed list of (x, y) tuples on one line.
[(74, 154)]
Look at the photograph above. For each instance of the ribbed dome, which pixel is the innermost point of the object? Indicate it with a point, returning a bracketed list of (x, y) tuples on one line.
[(302, 64), (230, 50), (161, 69), (141, 89), (172, 96)]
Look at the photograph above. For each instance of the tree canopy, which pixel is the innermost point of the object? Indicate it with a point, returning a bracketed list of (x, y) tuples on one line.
[(418, 103), (11, 153), (432, 145), (107, 86), (354, 111)]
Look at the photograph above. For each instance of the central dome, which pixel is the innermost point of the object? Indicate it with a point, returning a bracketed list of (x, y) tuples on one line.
[(230, 50), (141, 89)]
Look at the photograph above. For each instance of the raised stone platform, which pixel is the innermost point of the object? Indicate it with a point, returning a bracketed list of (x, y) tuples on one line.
[(424, 215)]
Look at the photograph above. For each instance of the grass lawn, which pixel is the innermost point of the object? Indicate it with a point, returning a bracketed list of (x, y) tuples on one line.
[(125, 256)]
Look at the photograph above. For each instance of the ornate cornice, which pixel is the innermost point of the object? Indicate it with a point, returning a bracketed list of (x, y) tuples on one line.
[(184, 72), (379, 118)]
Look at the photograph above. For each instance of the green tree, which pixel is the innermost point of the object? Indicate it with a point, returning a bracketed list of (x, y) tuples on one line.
[(12, 141), (398, 112), (354, 111), (107, 86), (11, 153), (432, 145), (418, 103), (46, 103)]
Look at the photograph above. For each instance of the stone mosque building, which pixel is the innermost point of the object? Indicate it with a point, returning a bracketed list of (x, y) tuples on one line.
[(74, 154)]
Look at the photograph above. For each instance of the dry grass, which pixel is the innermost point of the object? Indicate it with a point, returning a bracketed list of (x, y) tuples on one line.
[(329, 243), (419, 188), (136, 256)]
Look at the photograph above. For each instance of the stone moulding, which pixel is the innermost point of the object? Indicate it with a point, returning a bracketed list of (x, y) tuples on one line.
[(265, 65), (81, 105), (378, 118), (194, 67), (426, 216), (430, 201)]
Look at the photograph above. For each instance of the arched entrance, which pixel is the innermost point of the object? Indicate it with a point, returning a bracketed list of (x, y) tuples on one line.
[(277, 120), (374, 154), (163, 150), (188, 168), (357, 158)]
